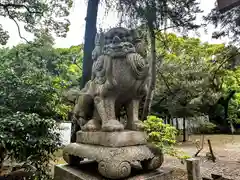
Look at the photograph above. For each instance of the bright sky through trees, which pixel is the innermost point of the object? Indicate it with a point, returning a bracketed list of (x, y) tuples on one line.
[(77, 16)]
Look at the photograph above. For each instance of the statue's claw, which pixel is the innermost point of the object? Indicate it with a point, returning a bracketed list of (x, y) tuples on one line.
[(92, 125), (112, 125)]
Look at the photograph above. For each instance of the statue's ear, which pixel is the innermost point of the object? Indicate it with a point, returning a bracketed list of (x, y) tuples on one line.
[(101, 39), (97, 36)]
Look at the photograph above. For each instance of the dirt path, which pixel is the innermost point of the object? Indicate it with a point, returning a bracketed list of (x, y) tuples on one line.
[(226, 149)]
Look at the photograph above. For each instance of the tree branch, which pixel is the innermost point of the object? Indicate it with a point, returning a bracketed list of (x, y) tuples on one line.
[(6, 6), (165, 28), (162, 40), (166, 83), (226, 60), (11, 17)]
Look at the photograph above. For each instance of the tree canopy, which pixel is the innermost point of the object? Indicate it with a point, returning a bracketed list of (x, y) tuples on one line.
[(36, 15), (195, 79), (184, 81), (34, 76)]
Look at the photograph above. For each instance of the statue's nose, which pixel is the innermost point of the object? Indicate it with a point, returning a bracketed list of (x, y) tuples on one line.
[(116, 40)]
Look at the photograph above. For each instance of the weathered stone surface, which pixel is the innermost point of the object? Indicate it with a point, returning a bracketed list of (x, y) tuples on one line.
[(113, 162), (112, 139), (119, 79), (88, 171), (99, 153)]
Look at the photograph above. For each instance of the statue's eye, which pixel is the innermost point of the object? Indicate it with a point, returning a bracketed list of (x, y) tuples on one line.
[(130, 45)]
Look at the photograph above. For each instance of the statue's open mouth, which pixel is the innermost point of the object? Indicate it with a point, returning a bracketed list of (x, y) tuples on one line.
[(120, 49)]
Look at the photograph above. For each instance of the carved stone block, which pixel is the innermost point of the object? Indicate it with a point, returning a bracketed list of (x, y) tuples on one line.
[(112, 139), (114, 163), (87, 171)]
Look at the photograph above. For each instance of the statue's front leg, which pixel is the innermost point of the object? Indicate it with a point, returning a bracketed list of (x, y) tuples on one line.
[(106, 110), (132, 112)]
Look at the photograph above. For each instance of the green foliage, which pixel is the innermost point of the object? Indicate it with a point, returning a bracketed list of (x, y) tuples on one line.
[(163, 136), (159, 133), (231, 83), (186, 78), (70, 64), (234, 109), (34, 76), (35, 15), (30, 140), (206, 127)]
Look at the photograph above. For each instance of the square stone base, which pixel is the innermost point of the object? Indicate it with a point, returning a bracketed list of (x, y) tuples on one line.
[(112, 139), (88, 171)]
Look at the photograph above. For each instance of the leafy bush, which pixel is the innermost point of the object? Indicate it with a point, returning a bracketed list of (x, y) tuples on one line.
[(163, 136), (29, 140), (207, 127), (33, 77), (160, 134), (237, 121)]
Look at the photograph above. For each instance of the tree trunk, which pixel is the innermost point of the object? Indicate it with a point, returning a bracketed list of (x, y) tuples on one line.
[(170, 120), (177, 125), (89, 40), (184, 130), (226, 105), (149, 97)]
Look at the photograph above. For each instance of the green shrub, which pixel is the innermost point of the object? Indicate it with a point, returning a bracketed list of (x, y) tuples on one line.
[(29, 140), (163, 136), (160, 134), (207, 127)]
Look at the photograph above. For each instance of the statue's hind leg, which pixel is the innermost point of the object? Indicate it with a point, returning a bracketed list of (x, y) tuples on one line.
[(132, 112), (106, 110)]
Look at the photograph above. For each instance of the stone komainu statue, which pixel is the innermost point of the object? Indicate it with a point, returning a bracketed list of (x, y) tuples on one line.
[(120, 73)]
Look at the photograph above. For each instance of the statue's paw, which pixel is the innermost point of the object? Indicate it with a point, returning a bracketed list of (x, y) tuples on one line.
[(137, 125), (112, 125), (92, 125)]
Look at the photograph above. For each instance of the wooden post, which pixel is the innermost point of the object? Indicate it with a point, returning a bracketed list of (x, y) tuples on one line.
[(193, 169), (201, 148), (211, 151)]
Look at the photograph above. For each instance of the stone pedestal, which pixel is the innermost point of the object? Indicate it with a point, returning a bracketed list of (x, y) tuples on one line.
[(116, 159), (112, 139), (88, 171)]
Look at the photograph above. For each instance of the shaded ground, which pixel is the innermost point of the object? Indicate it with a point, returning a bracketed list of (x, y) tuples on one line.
[(226, 149)]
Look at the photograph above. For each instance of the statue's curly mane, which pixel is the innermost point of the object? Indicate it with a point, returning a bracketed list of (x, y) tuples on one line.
[(138, 65)]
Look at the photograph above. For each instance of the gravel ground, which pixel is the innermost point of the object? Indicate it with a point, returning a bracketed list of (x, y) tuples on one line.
[(226, 149)]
